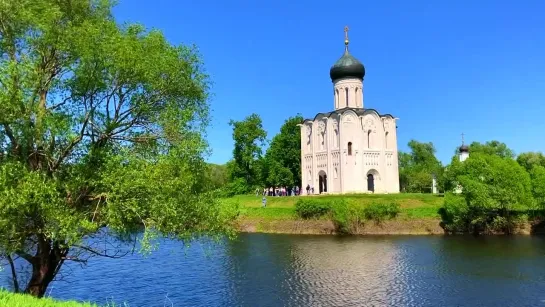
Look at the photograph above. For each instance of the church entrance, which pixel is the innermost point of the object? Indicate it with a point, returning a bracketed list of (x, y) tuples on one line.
[(370, 183), (322, 182)]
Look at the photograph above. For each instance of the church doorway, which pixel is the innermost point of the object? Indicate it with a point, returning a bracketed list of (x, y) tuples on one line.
[(373, 181), (370, 183), (322, 182)]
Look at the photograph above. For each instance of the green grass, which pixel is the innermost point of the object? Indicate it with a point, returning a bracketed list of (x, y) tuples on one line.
[(8, 299), (413, 206)]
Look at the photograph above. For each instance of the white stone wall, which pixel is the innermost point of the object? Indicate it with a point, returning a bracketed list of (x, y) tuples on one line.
[(351, 88), (347, 148)]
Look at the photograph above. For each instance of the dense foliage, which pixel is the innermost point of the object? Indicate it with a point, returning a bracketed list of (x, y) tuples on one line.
[(100, 136), (491, 192), (417, 168)]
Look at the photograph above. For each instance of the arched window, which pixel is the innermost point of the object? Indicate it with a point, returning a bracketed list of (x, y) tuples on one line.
[(335, 173), (336, 98), (357, 98), (349, 148), (369, 139), (386, 140), (336, 140), (346, 91)]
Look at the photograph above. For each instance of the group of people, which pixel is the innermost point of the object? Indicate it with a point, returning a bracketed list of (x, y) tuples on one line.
[(284, 191)]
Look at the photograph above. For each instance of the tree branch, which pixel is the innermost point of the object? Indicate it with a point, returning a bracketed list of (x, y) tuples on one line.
[(117, 255), (72, 144), (13, 274)]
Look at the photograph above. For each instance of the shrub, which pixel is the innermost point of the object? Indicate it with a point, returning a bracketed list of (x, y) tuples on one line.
[(308, 208), (379, 212), (346, 216)]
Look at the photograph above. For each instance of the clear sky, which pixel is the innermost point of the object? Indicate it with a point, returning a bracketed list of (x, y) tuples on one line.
[(442, 67)]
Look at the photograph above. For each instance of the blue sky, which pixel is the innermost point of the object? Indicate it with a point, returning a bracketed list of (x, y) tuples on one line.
[(442, 67)]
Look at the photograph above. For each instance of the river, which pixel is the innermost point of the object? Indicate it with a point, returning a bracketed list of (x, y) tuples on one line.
[(295, 270)]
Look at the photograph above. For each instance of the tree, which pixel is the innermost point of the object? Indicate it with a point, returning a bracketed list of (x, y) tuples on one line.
[(100, 130), (416, 168), (283, 157), (493, 188), (249, 137), (537, 175), (217, 175), (530, 159), (492, 148)]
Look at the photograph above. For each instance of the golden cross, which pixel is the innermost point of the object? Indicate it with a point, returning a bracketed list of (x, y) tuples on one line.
[(346, 35)]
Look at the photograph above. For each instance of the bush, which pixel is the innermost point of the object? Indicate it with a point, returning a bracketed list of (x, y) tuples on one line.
[(379, 212), (308, 208), (346, 216)]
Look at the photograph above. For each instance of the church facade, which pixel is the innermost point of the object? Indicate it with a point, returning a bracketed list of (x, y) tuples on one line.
[(351, 149)]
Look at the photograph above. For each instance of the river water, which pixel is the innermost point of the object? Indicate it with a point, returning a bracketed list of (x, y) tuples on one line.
[(294, 270)]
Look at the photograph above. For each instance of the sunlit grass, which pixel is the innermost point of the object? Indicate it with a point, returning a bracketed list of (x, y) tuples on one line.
[(8, 299), (413, 206)]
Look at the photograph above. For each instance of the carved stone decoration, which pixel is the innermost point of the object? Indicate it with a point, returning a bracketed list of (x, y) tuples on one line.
[(309, 130), (335, 124), (386, 125), (348, 118), (321, 127)]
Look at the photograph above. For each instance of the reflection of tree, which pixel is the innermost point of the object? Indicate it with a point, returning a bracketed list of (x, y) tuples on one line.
[(260, 265)]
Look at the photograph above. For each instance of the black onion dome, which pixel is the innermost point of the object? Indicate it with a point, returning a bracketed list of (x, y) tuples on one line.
[(347, 66), (464, 148)]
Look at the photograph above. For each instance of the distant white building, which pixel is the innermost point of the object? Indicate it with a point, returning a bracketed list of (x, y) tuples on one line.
[(463, 154), (350, 149)]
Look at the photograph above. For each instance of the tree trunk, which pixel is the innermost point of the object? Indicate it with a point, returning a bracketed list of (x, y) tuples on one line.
[(45, 265)]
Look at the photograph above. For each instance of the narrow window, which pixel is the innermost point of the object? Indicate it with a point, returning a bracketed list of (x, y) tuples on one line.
[(346, 91), (357, 98), (336, 140), (336, 98), (386, 140), (369, 139), (335, 173), (349, 148)]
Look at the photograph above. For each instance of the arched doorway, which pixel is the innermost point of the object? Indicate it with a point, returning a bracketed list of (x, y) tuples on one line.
[(373, 181), (322, 182)]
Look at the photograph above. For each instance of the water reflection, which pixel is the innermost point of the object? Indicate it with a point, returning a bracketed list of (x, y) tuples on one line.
[(286, 270)]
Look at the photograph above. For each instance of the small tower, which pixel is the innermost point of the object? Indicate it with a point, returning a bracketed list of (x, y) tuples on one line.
[(463, 151), (347, 77)]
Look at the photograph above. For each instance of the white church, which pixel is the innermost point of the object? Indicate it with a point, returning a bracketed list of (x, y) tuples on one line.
[(351, 149)]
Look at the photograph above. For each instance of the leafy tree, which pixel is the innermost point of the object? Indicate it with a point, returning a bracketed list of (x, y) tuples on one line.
[(249, 137), (493, 188), (530, 159), (492, 148), (279, 175), (100, 130), (417, 167), (217, 175), (537, 175), (283, 158)]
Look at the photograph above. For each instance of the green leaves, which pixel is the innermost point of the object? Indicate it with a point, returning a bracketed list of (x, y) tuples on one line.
[(249, 137), (100, 125), (416, 168)]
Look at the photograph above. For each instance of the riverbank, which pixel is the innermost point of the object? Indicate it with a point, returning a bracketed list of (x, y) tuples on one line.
[(419, 215), (8, 299)]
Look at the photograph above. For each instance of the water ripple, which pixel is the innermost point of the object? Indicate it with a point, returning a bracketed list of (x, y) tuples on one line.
[(284, 270)]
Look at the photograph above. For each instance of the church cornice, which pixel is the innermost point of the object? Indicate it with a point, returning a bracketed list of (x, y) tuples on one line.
[(358, 111)]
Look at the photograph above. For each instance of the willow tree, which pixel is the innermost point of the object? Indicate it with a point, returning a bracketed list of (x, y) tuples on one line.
[(100, 136)]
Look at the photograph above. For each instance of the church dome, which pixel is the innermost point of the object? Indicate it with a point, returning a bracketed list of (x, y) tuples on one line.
[(464, 148), (347, 66)]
